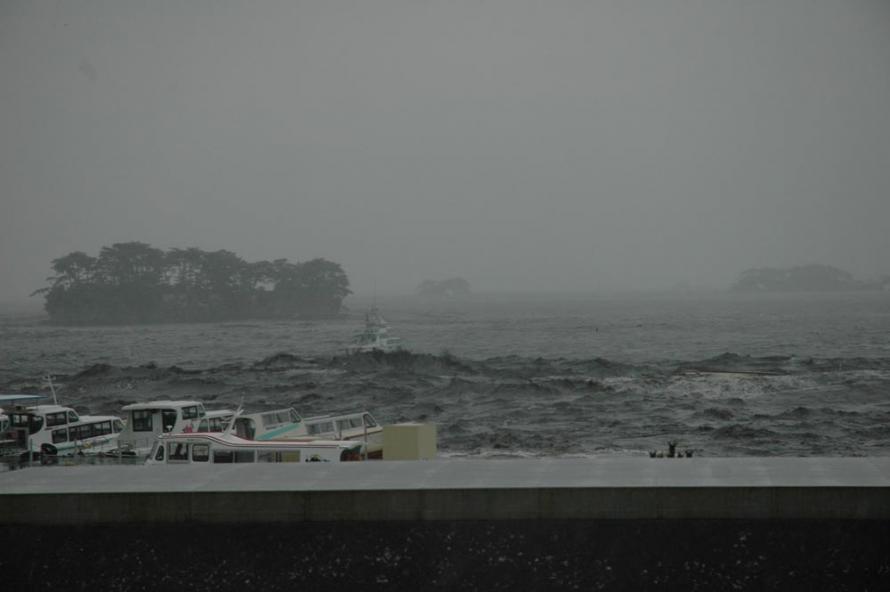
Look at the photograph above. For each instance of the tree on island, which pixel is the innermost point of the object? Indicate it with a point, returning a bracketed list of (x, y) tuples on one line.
[(448, 288), (137, 283), (806, 278)]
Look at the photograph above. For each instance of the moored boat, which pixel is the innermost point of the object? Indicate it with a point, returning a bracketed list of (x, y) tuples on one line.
[(206, 448), (146, 421), (55, 430), (286, 424)]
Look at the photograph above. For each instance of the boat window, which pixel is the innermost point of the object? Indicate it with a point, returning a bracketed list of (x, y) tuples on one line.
[(343, 424), (72, 417), (355, 422), (117, 426), (245, 428), (189, 412), (74, 433), (201, 452), (35, 424), (244, 456), (20, 420), (56, 419), (159, 455), (278, 456), (218, 424), (369, 421), (102, 428), (142, 420), (168, 419), (222, 456), (294, 416), (320, 428), (177, 451), (201, 411), (204, 426), (60, 435)]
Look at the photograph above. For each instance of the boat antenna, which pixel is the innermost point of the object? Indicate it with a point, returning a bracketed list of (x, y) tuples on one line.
[(52, 388)]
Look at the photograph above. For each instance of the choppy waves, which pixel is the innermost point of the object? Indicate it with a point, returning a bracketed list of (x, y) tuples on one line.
[(512, 406)]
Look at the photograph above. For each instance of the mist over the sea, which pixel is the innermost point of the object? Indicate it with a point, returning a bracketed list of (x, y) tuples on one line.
[(522, 145)]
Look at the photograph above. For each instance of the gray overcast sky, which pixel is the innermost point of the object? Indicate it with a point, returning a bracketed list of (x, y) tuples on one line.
[(524, 145)]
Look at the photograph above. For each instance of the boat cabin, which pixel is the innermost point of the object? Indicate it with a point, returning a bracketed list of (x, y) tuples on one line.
[(215, 421), (286, 424), (59, 430), (147, 421), (269, 425)]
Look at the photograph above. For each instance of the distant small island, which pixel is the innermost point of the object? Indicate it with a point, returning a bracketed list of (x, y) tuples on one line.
[(444, 288), (136, 283), (805, 278)]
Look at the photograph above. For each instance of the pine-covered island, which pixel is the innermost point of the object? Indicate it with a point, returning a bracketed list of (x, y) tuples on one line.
[(133, 282)]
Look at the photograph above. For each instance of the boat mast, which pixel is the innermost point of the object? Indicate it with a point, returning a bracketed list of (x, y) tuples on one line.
[(52, 388)]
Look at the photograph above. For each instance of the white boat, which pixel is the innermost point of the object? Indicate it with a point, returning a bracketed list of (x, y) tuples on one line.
[(375, 336), (216, 420), (225, 448), (55, 430), (146, 421), (286, 424)]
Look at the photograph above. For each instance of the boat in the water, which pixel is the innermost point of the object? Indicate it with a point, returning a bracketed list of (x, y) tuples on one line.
[(54, 430), (375, 336), (146, 421), (286, 424), (227, 447)]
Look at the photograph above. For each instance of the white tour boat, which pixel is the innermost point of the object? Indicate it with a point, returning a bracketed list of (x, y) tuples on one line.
[(226, 448), (146, 421), (55, 430), (286, 424), (375, 336), (216, 420)]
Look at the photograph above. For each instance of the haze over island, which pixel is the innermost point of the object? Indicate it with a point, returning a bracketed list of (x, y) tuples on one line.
[(558, 146)]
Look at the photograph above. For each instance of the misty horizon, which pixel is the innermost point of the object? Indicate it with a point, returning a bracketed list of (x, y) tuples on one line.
[(526, 147)]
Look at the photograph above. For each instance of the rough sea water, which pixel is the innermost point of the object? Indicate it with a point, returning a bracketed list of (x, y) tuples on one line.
[(508, 376)]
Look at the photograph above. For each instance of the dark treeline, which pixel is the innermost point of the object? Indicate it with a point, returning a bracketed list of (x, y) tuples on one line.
[(804, 278), (137, 283)]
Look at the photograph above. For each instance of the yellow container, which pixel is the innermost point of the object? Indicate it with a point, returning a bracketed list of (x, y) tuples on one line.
[(409, 441)]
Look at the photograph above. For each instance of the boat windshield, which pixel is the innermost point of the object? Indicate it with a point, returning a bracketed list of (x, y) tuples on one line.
[(168, 417), (28, 421)]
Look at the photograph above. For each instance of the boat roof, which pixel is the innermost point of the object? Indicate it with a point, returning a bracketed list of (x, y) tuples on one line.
[(259, 413), (336, 416), (13, 397), (50, 409), (165, 404), (217, 413), (93, 418)]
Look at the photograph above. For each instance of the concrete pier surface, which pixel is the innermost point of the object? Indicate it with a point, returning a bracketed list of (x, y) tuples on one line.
[(593, 524), (546, 489)]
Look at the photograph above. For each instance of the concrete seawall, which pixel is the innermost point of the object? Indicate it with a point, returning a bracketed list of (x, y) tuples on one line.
[(615, 488), (628, 523)]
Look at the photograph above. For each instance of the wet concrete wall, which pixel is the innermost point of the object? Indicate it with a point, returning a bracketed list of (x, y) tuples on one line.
[(454, 555)]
